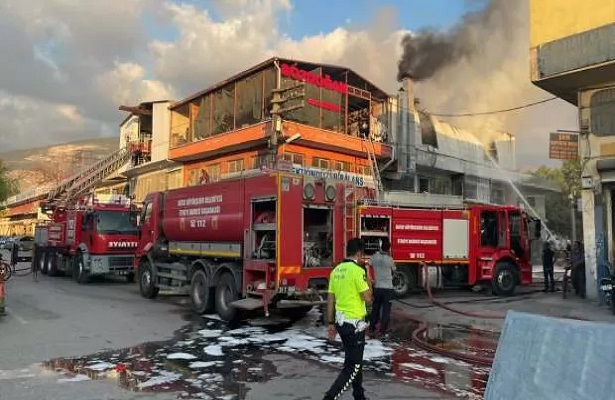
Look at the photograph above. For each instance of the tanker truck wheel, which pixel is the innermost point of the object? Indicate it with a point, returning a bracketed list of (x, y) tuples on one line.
[(83, 276), (504, 279), (147, 286), (226, 293), (403, 281), (200, 292), (43, 262)]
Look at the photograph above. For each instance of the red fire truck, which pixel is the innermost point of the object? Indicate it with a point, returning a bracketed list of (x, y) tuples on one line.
[(271, 239), (237, 244), (466, 246), (94, 236)]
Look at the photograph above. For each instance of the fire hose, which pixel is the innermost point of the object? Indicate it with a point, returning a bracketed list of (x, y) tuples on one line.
[(423, 327)]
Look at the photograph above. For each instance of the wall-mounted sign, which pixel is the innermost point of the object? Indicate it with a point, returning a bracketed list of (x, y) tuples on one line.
[(358, 180), (323, 81), (563, 146), (324, 105)]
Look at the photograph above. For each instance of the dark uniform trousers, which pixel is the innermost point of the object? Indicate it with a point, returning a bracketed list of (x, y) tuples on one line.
[(352, 373)]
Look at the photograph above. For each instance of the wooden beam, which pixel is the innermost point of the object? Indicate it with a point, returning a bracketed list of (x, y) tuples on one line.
[(136, 110)]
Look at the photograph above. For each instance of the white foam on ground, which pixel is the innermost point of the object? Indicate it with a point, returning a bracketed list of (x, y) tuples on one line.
[(181, 356), (214, 350), (419, 367), (165, 377), (76, 378), (100, 366), (210, 333), (202, 364)]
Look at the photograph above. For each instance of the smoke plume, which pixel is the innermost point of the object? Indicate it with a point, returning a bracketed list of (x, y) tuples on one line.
[(482, 64)]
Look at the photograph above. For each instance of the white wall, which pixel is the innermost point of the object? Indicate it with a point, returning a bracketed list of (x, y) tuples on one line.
[(129, 130), (160, 131)]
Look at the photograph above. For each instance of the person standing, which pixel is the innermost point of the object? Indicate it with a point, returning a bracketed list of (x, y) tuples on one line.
[(349, 291), (547, 267), (383, 266)]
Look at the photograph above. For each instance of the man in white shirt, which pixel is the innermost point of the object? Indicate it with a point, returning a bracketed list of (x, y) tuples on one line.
[(383, 266)]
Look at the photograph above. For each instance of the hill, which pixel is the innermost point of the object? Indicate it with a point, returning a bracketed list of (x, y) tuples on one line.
[(49, 165)]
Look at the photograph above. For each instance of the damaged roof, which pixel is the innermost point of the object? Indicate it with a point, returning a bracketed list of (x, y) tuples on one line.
[(336, 72)]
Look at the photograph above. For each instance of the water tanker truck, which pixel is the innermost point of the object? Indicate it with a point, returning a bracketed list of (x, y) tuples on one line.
[(260, 241)]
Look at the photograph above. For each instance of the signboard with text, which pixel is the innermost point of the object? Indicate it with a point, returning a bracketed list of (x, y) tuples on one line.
[(563, 146)]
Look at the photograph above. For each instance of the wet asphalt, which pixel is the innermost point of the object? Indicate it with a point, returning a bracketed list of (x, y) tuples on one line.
[(61, 340)]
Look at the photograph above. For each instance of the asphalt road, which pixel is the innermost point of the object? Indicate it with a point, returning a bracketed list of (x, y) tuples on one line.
[(62, 340)]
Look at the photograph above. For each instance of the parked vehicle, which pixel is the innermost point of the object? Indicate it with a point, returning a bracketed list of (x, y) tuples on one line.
[(96, 235), (466, 246), (256, 242), (25, 246), (606, 285)]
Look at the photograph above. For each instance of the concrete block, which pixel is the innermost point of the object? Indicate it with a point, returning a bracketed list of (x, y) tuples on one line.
[(553, 359)]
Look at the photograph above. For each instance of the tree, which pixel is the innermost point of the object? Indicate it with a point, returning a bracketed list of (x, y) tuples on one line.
[(568, 178), (8, 186)]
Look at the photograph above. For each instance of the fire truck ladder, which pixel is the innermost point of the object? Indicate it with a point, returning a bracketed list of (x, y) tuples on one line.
[(87, 179), (373, 163)]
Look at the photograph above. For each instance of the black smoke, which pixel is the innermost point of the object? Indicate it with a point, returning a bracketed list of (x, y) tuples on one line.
[(428, 51)]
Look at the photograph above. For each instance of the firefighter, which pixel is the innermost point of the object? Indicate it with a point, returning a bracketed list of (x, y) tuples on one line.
[(349, 291), (547, 267), (383, 266)]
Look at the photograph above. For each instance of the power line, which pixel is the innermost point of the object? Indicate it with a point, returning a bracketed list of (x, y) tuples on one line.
[(496, 111)]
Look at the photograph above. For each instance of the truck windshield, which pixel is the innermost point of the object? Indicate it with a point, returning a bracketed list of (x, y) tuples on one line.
[(115, 222)]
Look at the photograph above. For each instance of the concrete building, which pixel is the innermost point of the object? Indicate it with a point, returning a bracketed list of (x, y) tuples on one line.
[(573, 56), (145, 132)]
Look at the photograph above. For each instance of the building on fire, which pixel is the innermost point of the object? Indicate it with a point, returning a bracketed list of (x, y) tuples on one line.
[(328, 112), (573, 57)]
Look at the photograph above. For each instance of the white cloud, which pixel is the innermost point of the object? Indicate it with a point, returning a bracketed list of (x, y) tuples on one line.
[(69, 64)]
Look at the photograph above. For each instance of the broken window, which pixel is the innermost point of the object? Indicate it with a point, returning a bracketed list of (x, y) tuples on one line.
[(249, 93), (202, 121), (308, 114), (180, 126), (332, 108), (223, 103), (270, 84)]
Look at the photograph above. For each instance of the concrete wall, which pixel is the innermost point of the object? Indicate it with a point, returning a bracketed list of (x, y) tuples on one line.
[(160, 132), (555, 19)]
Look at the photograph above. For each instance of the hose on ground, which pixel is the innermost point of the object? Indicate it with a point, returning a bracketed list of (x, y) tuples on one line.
[(452, 309), (424, 345)]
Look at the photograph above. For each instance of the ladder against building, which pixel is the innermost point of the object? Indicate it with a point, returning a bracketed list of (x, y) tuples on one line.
[(373, 165), (83, 181)]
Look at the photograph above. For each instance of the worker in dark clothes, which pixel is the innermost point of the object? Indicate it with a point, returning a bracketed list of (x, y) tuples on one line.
[(383, 266), (349, 290), (547, 267)]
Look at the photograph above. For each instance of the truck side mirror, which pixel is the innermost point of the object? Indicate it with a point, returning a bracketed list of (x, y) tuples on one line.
[(14, 253)]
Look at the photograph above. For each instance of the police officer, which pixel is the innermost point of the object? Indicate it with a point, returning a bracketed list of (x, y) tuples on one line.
[(349, 290)]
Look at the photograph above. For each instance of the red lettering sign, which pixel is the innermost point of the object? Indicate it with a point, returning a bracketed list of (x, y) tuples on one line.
[(325, 82), (325, 105)]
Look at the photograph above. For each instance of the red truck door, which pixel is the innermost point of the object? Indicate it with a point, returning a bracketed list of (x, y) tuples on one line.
[(148, 221), (492, 236)]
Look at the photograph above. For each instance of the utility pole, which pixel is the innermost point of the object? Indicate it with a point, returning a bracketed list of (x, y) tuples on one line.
[(283, 101)]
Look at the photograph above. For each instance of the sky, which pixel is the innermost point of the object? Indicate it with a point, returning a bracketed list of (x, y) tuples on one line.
[(68, 64)]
